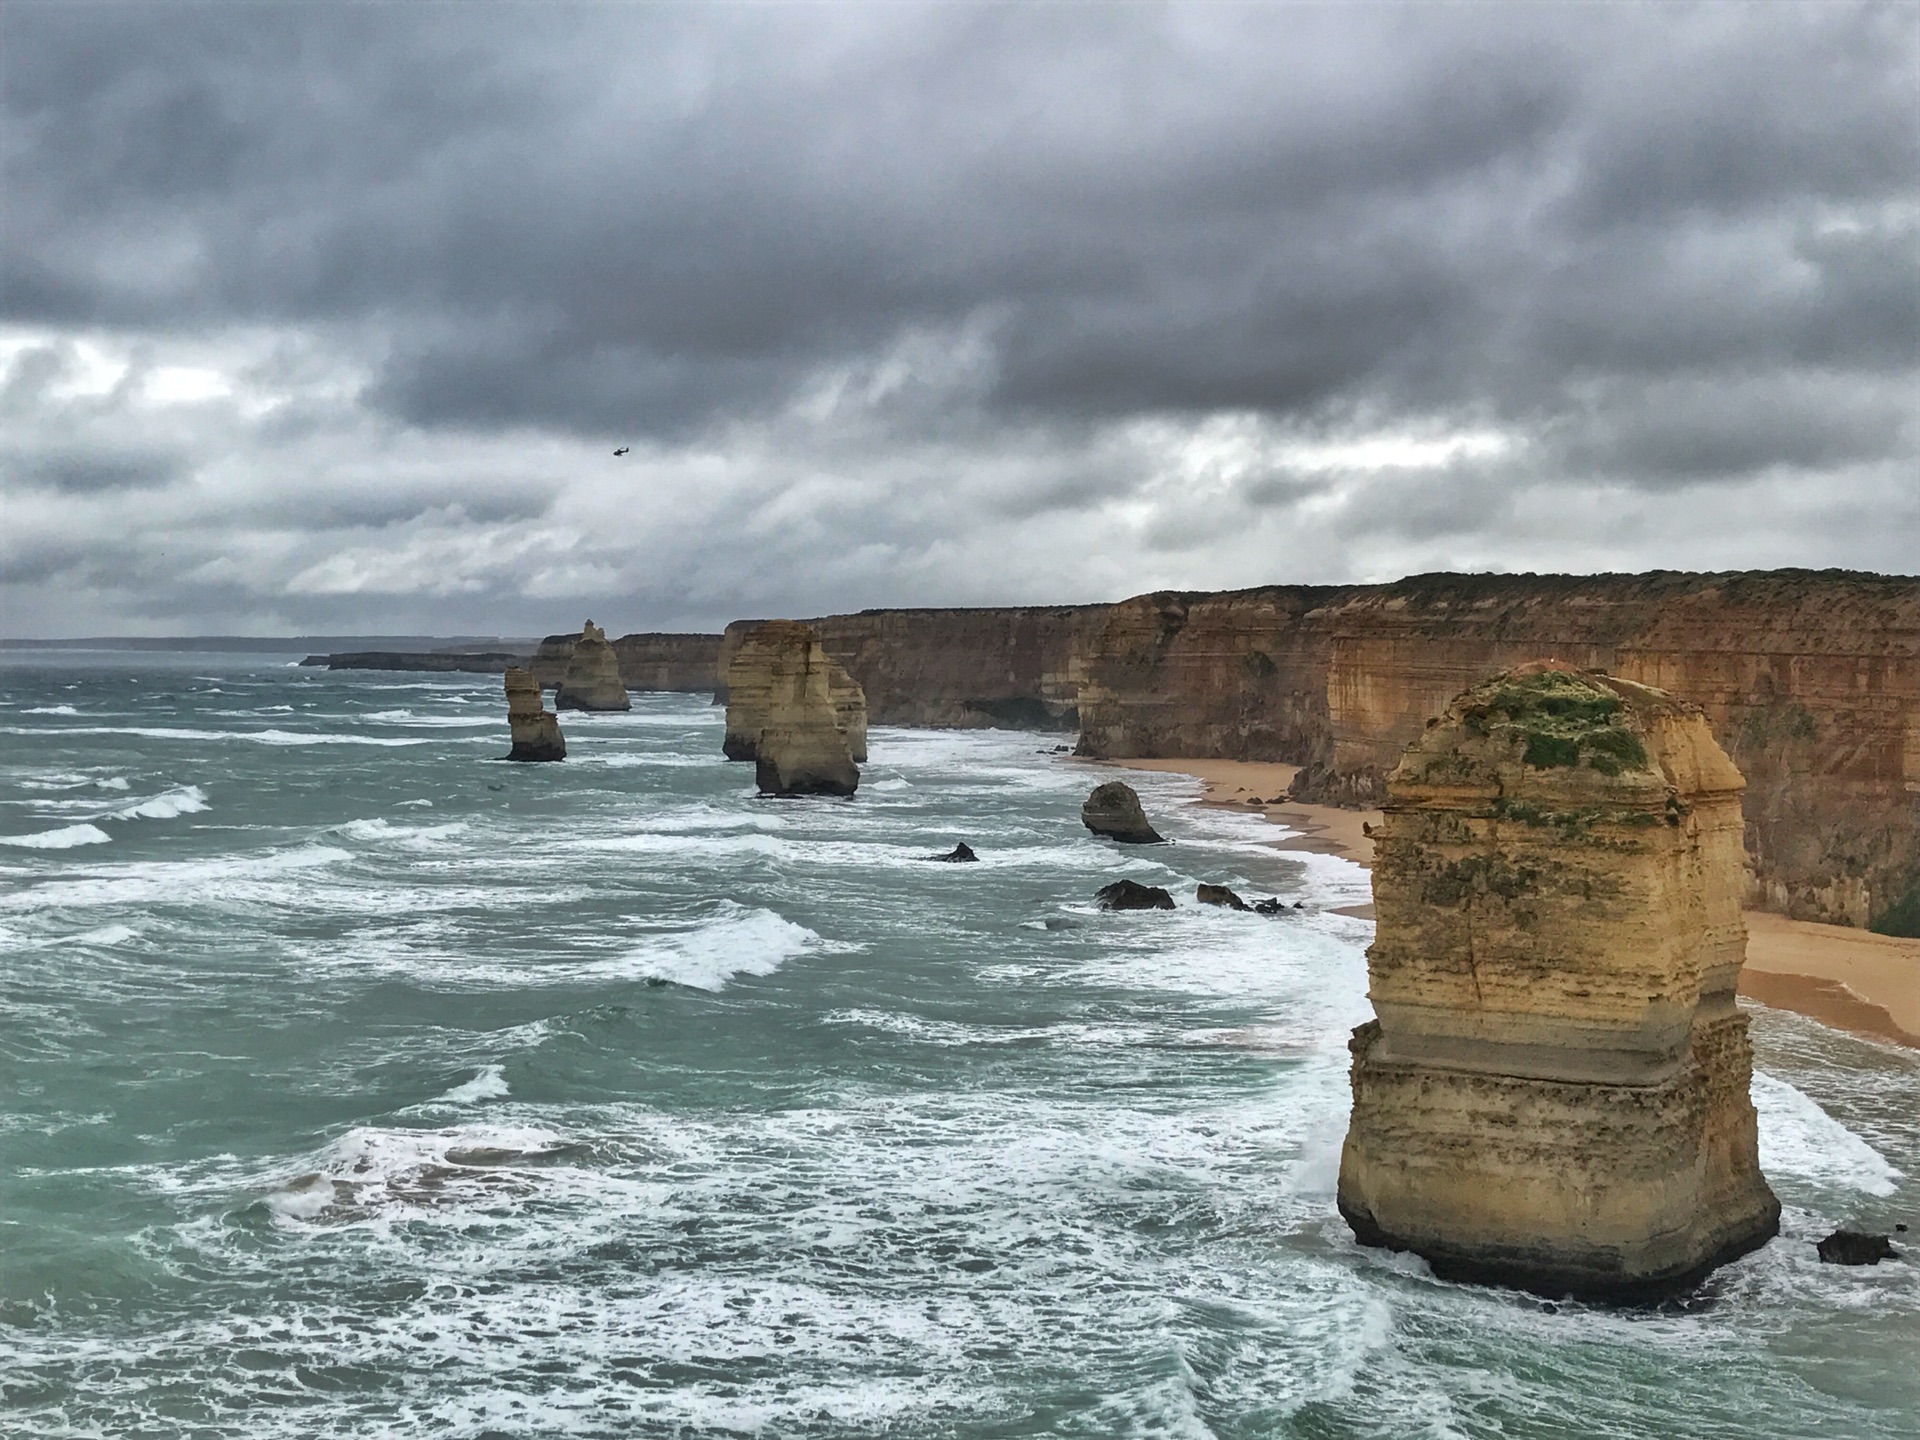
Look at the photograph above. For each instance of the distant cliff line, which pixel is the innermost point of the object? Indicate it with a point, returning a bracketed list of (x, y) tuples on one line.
[(1810, 678)]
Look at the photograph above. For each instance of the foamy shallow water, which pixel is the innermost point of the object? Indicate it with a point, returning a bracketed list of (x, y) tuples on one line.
[(354, 1084)]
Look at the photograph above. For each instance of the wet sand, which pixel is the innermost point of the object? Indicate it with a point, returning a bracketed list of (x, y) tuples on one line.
[(1852, 979)]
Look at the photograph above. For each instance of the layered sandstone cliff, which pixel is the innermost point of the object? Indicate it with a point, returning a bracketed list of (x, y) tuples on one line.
[(793, 712), (648, 660), (534, 728), (1014, 666), (592, 681), (1812, 679), (1554, 1093)]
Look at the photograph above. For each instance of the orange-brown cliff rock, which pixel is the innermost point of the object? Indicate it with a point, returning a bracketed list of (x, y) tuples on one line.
[(1554, 1093), (647, 661)]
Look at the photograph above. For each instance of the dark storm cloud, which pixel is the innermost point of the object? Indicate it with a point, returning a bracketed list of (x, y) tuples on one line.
[(1651, 246), (79, 472)]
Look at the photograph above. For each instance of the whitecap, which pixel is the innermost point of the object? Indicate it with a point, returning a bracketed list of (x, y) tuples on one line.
[(1799, 1139), (65, 838), (106, 935), (50, 710), (181, 800), (489, 1084)]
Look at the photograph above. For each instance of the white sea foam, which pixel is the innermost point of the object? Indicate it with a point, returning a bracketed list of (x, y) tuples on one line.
[(1800, 1139), (740, 942), (181, 800), (106, 935), (50, 710), (65, 838), (489, 1084), (258, 737)]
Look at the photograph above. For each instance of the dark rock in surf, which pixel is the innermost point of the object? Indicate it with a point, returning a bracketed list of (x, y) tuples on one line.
[(1220, 895), (1113, 810), (1855, 1247), (959, 855), (1132, 895), (1276, 906)]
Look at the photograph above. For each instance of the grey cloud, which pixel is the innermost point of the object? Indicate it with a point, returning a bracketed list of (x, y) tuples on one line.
[(89, 471), (1652, 245)]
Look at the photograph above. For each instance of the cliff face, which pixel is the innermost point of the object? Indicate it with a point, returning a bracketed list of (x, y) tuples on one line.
[(1555, 1094), (1812, 680), (1016, 667), (647, 661)]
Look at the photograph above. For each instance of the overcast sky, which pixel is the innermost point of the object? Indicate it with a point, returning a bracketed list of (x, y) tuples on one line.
[(330, 317)]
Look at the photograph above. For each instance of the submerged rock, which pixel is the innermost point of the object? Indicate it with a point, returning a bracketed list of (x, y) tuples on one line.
[(1220, 895), (1855, 1247), (1555, 1092), (535, 729), (959, 855), (1132, 895), (592, 681), (1113, 810), (782, 713), (1274, 905)]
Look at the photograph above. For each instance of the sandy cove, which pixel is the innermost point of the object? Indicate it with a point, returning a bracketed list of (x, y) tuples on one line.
[(1852, 979)]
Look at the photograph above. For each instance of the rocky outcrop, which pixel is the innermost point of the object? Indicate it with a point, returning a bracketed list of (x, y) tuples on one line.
[(961, 854), (757, 655), (1132, 895), (1219, 895), (648, 660), (1113, 810), (1855, 1247), (788, 714), (535, 729), (592, 681), (1555, 1092)]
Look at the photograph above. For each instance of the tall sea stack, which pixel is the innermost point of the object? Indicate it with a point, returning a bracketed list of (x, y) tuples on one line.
[(787, 714), (767, 650), (536, 729), (1555, 1092), (592, 681)]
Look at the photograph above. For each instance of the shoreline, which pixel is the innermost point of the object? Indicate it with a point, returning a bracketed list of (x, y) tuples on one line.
[(1852, 980)]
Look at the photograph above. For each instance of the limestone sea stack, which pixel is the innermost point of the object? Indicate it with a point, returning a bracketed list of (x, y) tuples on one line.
[(592, 681), (536, 729), (784, 715), (748, 687), (1555, 1092), (1113, 810)]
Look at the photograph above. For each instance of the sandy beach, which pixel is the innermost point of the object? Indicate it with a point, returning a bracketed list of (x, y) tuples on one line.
[(1852, 979)]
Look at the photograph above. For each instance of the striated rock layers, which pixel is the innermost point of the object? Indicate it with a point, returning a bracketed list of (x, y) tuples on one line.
[(592, 681), (790, 715), (536, 729), (1555, 1092), (1811, 679), (756, 659), (647, 660), (1014, 666)]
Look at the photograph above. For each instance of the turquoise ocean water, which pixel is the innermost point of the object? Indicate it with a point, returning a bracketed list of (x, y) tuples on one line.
[(353, 1083)]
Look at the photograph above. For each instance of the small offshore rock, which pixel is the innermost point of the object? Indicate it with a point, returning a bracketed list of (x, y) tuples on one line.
[(1132, 895), (1113, 810), (959, 855), (1220, 895), (1855, 1247), (1276, 906)]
